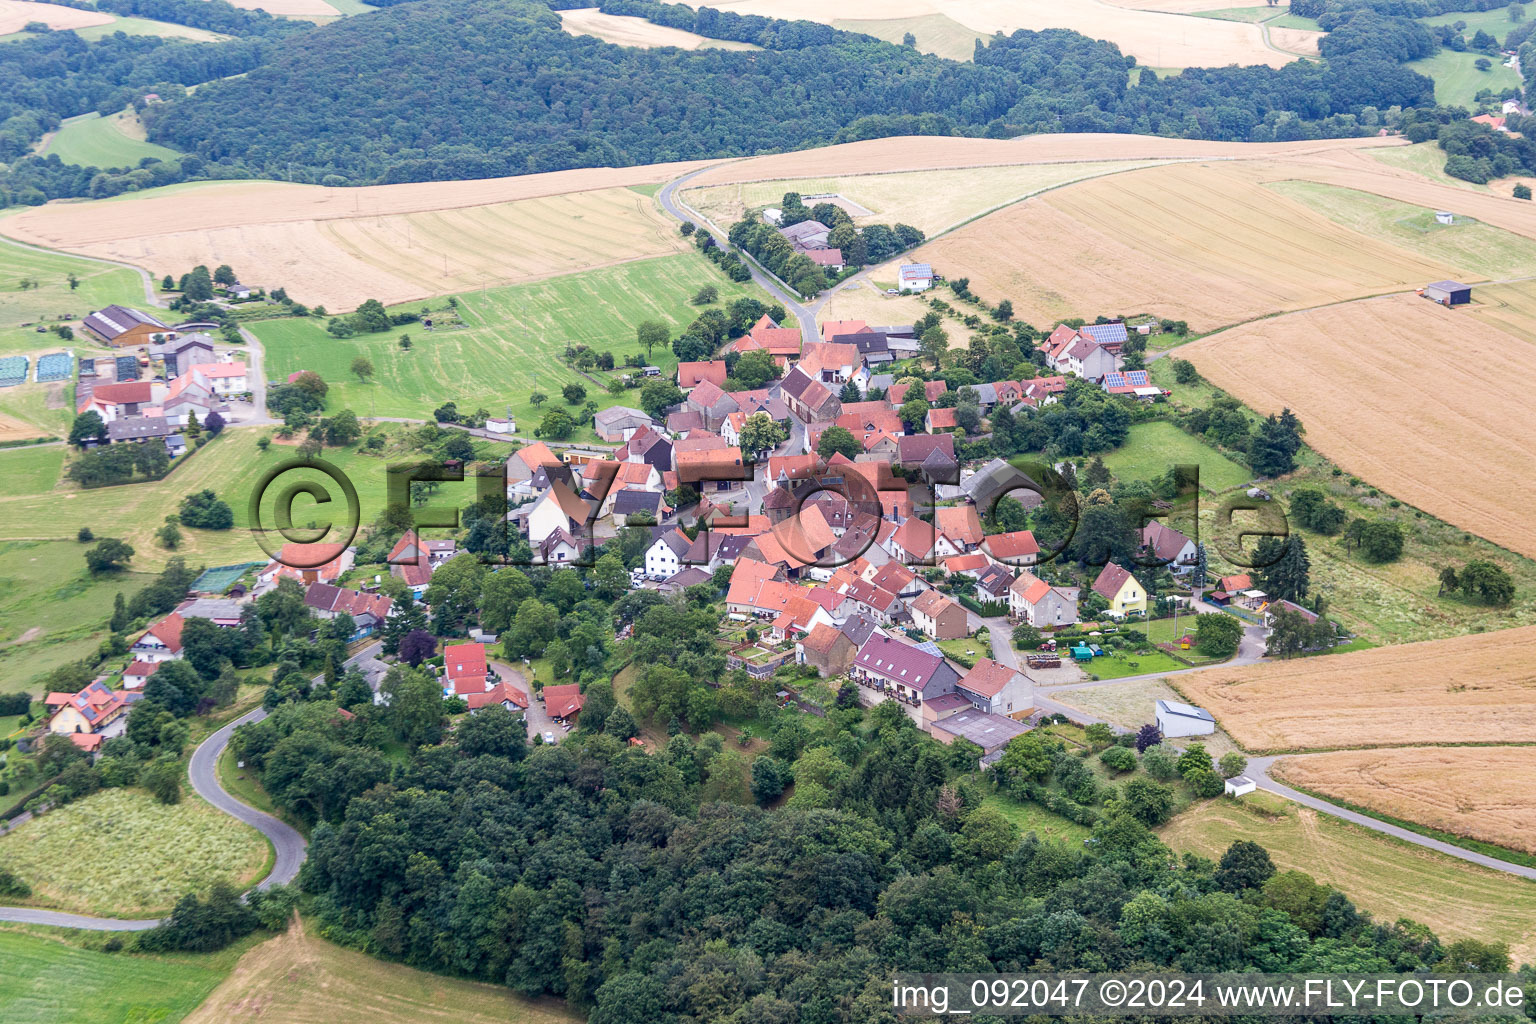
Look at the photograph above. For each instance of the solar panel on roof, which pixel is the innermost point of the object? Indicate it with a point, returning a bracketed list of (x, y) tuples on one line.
[(1137, 378), (1114, 380)]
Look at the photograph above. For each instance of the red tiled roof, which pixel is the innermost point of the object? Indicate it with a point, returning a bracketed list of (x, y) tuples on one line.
[(691, 375), (501, 693), (168, 631), (1111, 578), (564, 700)]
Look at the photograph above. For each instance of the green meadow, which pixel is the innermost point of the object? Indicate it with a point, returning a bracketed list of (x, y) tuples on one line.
[(91, 140), (1154, 448)]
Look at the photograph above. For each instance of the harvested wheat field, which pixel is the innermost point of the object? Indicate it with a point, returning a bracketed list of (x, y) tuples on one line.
[(391, 248), (937, 34), (1481, 792), (1204, 243), (623, 31), (930, 200), (1186, 6), (1295, 40), (1467, 689), (290, 8), (1154, 38), (1508, 307), (298, 979), (931, 153), (1453, 450), (15, 14)]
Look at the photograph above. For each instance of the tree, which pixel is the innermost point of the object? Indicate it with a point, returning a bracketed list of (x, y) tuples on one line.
[(914, 411), (1118, 759), (415, 702), (162, 777), (417, 646), (169, 535), (574, 394), (838, 441), (362, 368), (214, 424), (908, 39), (706, 295), (762, 433), (650, 333), (1147, 801), (1148, 735), (537, 399), (1522, 191), (769, 776), (1378, 540), (1487, 581), (111, 555), (85, 536), (1284, 571), (1004, 311), (204, 511), (755, 370), (620, 724), (492, 731), (1218, 635), (1272, 452), (502, 592), (933, 344), (1185, 372), (1245, 865), (657, 394), (225, 275), (1026, 637), (609, 579), (556, 425), (88, 426), (1232, 765)]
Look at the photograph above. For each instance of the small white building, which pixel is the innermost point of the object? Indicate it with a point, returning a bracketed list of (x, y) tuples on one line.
[(914, 277), (506, 426), (1175, 719), (1241, 785)]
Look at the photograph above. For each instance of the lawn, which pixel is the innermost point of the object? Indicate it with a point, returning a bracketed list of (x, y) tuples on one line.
[(52, 299), (1031, 817), (122, 853), (1118, 664), (31, 470), (91, 140), (510, 345), (51, 610), (967, 650), (1457, 80), (1389, 878), (45, 979), (1467, 245), (1154, 448)]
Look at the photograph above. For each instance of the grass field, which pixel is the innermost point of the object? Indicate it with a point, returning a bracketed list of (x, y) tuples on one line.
[(122, 853), (1330, 367), (1495, 22), (110, 142), (1390, 879), (52, 610), (1470, 689), (45, 978), (299, 979), (931, 200), (1117, 665), (515, 335), (1154, 448), (1426, 159), (935, 33), (1481, 792), (1031, 817), (289, 8), (1480, 249), (31, 470), (52, 299), (1202, 243), (1457, 80), (150, 27), (627, 31)]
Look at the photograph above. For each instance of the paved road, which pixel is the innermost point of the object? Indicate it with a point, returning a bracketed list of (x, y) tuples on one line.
[(682, 211)]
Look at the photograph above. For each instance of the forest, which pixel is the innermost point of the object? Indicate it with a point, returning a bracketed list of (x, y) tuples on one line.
[(438, 90)]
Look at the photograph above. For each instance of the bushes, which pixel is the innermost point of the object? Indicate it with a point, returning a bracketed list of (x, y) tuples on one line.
[(202, 926), (1118, 759)]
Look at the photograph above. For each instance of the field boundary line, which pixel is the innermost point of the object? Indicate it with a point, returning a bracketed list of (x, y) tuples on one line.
[(144, 276)]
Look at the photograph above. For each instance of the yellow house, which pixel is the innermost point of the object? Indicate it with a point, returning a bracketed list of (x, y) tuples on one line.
[(1122, 590), (89, 711)]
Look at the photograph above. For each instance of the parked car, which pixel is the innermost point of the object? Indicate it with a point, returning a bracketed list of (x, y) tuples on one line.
[(549, 737)]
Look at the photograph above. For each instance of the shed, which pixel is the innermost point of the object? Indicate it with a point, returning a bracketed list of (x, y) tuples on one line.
[(1448, 293), (1241, 785), (1444, 217), (1177, 719)]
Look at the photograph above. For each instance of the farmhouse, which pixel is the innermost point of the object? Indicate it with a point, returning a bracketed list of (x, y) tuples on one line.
[(1124, 594), (121, 327), (808, 398), (116, 401), (1032, 600), (179, 355), (1017, 548), (691, 375), (938, 616), (562, 701), (1071, 351), (806, 235), (368, 611), (889, 669), (914, 277), (89, 711), (223, 378), (1176, 719), (1448, 293), (308, 563), (160, 642), (826, 649), (1169, 546), (503, 693)]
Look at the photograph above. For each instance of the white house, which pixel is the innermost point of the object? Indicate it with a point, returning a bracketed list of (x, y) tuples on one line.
[(558, 508), (161, 642), (227, 378), (506, 426), (664, 558), (1241, 785), (914, 277), (1176, 719)]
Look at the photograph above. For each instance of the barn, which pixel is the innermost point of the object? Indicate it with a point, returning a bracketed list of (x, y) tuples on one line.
[(1448, 293)]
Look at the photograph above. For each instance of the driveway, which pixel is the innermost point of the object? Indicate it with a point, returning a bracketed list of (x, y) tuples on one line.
[(537, 718)]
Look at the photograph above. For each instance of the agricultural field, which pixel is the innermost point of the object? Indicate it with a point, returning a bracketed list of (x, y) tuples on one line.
[(1495, 22), (1450, 452), (1155, 38), (1481, 792), (938, 34), (1390, 879), (112, 142), (338, 247), (1480, 249), (626, 31), (296, 978), (511, 345), (1192, 6), (51, 299), (1156, 447), (122, 853), (1425, 159), (149, 27), (1467, 689), (933, 201), (31, 470), (1509, 307), (1457, 80), (15, 14), (51, 609), (45, 977), (1201, 243)]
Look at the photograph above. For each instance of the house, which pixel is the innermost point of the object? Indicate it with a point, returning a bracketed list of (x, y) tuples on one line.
[(1448, 293), (747, 580), (914, 277), (558, 508), (938, 616), (328, 601), (224, 378), (616, 423), (715, 468), (501, 426), (646, 505), (970, 565), (223, 612), (806, 235), (465, 670), (913, 542), (931, 391), (834, 328), (664, 557), (808, 398), (886, 668), (503, 693), (1176, 719), (413, 562), (826, 649), (1016, 548), (1123, 591), (711, 403), (940, 419), (691, 374), (523, 464), (116, 401), (1169, 546), (914, 450), (1111, 336), (783, 343), (1135, 384), (1068, 350), (1239, 785), (308, 563), (988, 731), (993, 584), (829, 362), (89, 711), (875, 602), (560, 546), (160, 642), (179, 355), (996, 688), (137, 674), (562, 701), (1275, 607), (1032, 600), (121, 327), (141, 429), (831, 259), (649, 446), (959, 526)]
